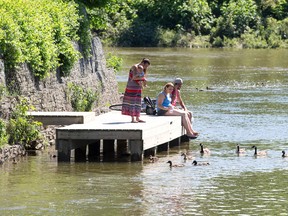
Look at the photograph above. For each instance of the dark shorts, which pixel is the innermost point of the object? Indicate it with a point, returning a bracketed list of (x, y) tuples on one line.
[(161, 112)]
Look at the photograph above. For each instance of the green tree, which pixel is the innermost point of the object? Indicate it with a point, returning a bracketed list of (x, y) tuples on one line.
[(196, 16), (111, 19), (271, 8), (237, 17), (40, 33)]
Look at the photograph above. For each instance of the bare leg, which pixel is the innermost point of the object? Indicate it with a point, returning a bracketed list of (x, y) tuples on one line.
[(185, 121), (133, 119), (191, 118), (190, 115)]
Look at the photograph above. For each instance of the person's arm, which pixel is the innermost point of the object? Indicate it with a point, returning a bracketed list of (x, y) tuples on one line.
[(173, 97), (136, 76), (160, 100), (181, 102)]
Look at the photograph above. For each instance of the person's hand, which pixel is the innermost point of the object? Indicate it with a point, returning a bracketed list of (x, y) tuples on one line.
[(171, 108)]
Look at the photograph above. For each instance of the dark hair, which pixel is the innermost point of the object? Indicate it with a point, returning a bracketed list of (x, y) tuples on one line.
[(146, 60)]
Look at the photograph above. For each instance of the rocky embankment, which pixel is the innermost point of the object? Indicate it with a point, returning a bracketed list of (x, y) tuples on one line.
[(11, 153), (50, 94)]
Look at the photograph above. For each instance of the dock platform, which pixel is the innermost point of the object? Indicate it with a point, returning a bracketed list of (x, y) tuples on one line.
[(114, 134)]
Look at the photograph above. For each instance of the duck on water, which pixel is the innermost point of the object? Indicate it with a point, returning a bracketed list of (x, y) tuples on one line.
[(175, 165)]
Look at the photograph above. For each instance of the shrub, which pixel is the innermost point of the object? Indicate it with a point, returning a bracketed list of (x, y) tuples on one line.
[(81, 100), (218, 42), (3, 133), (284, 28), (21, 127), (232, 42), (252, 40), (201, 42), (114, 62), (166, 37), (39, 33), (274, 41)]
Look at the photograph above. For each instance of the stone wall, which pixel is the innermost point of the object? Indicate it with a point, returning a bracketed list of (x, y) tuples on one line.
[(2, 73), (50, 94), (11, 153)]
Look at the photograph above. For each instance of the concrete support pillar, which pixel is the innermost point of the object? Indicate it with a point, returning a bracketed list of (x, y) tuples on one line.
[(175, 142), (136, 150), (80, 152), (151, 151), (108, 150), (163, 147), (122, 148), (108, 147), (94, 151), (64, 148)]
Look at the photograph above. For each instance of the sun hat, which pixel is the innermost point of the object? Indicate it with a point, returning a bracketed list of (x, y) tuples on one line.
[(178, 81)]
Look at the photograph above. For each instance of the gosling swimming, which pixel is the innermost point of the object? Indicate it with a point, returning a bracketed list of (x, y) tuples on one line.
[(186, 157), (283, 154), (204, 150), (153, 159), (195, 163), (259, 153), (175, 165), (240, 150)]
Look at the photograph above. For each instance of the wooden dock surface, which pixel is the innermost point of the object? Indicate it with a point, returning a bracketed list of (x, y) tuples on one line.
[(113, 126)]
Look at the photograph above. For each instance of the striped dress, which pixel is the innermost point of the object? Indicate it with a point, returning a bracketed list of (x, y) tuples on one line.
[(132, 97)]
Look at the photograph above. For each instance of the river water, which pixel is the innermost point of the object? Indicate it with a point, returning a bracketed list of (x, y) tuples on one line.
[(246, 103)]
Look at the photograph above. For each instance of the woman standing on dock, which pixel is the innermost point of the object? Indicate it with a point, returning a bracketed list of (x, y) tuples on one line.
[(164, 107), (133, 93)]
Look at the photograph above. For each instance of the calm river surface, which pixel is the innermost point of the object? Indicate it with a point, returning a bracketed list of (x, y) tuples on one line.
[(248, 105)]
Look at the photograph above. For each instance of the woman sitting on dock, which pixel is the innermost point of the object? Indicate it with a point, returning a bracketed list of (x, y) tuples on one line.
[(164, 107), (132, 97)]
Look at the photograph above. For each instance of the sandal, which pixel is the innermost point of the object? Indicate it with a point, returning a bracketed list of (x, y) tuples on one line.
[(141, 121), (192, 137)]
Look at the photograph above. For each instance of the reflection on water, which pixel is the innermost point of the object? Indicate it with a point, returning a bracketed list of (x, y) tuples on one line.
[(246, 103)]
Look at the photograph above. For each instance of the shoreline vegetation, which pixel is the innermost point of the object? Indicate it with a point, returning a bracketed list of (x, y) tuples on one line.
[(194, 24), (48, 44), (43, 34)]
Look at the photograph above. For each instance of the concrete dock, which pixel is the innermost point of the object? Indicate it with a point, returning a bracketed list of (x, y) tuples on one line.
[(62, 118), (113, 134)]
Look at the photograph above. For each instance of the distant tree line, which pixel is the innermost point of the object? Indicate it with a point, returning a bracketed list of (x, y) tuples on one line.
[(41, 32), (182, 23)]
